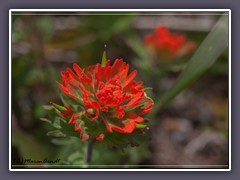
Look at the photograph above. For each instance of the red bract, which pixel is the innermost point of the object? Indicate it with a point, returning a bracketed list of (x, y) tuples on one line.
[(169, 43), (110, 98), (68, 112)]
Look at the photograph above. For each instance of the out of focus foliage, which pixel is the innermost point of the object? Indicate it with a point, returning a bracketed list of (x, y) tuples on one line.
[(192, 130)]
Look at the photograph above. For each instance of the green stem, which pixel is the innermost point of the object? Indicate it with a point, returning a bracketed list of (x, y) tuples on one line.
[(88, 152)]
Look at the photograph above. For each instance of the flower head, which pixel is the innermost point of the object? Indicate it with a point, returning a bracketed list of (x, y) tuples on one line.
[(169, 44), (109, 98)]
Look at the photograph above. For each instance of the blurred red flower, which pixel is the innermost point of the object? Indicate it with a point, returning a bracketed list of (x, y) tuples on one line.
[(110, 99), (169, 44)]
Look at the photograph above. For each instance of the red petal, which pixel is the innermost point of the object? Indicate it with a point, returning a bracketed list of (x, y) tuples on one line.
[(71, 73), (104, 108), (145, 111), (148, 108), (67, 112), (107, 125), (135, 100), (134, 117), (100, 137), (115, 66), (65, 91), (87, 93), (77, 69), (129, 126), (73, 119), (130, 78), (107, 63)]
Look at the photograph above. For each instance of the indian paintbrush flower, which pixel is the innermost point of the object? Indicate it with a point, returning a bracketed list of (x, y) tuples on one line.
[(108, 98), (168, 45)]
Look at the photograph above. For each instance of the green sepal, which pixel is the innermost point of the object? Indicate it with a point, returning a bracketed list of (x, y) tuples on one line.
[(104, 57), (146, 89), (58, 107), (141, 126)]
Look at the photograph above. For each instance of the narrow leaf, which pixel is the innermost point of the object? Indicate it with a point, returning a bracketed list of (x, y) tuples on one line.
[(56, 133), (104, 56), (141, 126), (58, 107), (46, 120)]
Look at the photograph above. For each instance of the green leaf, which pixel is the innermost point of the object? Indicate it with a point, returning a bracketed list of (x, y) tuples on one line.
[(205, 56), (48, 107), (56, 122), (68, 129), (56, 133), (46, 120), (147, 88), (140, 126), (53, 115), (104, 57), (58, 107), (75, 156)]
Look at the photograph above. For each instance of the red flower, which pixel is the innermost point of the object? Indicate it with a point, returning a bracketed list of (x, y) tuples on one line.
[(163, 41), (110, 99)]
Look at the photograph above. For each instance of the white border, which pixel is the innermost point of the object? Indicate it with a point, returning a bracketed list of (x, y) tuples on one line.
[(10, 90), (117, 10)]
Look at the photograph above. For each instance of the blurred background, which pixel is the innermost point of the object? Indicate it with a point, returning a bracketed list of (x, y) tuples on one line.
[(191, 130)]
